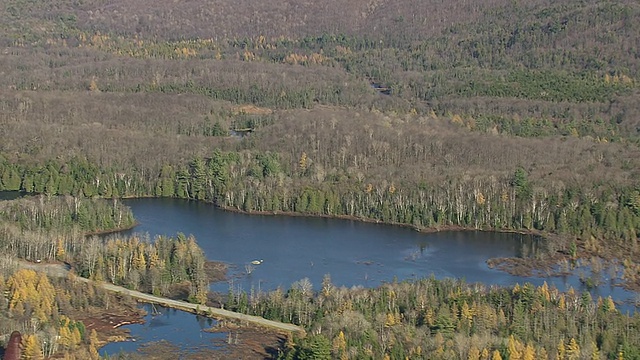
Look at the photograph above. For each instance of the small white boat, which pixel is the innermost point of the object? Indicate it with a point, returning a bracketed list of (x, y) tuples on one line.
[(257, 262)]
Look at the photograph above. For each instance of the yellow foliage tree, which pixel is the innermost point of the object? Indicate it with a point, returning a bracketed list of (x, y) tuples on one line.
[(248, 56), (76, 337), (28, 289), (304, 162), (69, 334), (439, 343), (31, 348), (544, 291), (139, 261), (202, 295), (391, 320), (514, 348), (542, 353), (595, 352), (340, 345), (47, 294), (154, 259), (611, 306), (94, 343), (573, 350), (562, 304), (504, 197), (496, 355), (60, 249), (466, 316), (369, 188), (474, 353), (516, 289), (561, 351), (66, 340), (529, 353), (93, 86), (417, 351)]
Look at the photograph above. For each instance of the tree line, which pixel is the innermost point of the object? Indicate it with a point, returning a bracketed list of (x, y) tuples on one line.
[(48, 228), (601, 219), (158, 267), (446, 319), (55, 229)]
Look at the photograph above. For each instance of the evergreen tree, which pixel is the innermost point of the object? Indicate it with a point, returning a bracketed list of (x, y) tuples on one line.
[(316, 347)]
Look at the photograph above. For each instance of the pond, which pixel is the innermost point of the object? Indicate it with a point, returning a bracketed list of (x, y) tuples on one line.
[(181, 329)]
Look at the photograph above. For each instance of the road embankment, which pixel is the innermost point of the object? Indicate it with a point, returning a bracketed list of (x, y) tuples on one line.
[(61, 270)]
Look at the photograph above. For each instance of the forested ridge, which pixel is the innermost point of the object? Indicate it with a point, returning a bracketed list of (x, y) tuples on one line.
[(496, 115)]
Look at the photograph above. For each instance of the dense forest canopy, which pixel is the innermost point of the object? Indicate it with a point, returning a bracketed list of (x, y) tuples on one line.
[(421, 113), (492, 114)]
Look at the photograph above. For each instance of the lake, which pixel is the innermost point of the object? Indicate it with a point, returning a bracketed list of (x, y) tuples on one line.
[(353, 253), (292, 248)]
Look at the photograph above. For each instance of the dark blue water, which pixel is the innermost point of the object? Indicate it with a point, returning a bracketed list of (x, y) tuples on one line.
[(10, 195), (352, 253), (163, 324)]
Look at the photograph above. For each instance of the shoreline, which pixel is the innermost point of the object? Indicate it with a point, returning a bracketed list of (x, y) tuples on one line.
[(527, 267), (424, 230)]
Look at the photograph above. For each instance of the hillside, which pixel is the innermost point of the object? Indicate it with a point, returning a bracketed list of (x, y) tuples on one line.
[(341, 98), (490, 114)]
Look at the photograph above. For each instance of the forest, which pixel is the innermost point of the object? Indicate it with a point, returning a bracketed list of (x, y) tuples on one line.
[(492, 115), (48, 310), (448, 319)]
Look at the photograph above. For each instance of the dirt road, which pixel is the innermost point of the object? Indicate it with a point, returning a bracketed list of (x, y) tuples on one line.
[(61, 270)]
